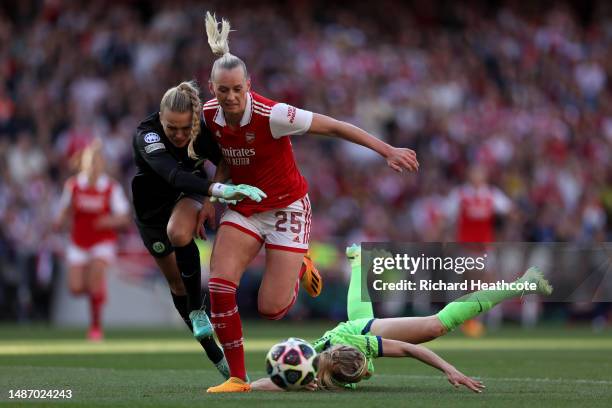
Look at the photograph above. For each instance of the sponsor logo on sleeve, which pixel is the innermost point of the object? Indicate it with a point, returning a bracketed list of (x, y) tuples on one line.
[(291, 112), (151, 137), (153, 147)]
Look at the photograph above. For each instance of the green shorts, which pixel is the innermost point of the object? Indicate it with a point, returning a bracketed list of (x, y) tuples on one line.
[(358, 326), (355, 333)]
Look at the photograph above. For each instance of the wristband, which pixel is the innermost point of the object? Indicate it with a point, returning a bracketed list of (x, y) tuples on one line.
[(216, 190)]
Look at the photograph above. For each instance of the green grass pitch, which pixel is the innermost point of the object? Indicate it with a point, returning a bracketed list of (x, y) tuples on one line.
[(553, 367)]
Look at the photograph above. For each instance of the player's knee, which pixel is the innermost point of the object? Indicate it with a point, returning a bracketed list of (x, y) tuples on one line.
[(98, 265), (436, 329), (178, 237), (220, 269), (273, 310), (272, 314)]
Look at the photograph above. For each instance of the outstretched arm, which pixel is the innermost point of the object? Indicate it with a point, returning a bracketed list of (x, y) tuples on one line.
[(394, 348), (397, 158), (265, 384), (167, 167)]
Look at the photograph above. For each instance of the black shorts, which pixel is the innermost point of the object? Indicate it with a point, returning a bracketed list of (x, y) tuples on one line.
[(155, 239), (153, 230)]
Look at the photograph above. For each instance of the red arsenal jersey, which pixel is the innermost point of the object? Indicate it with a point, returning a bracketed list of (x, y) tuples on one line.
[(88, 204), (258, 151), (475, 209)]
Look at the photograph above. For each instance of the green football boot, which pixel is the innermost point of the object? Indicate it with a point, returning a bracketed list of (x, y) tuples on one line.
[(353, 253), (223, 368), (202, 328), (535, 275)]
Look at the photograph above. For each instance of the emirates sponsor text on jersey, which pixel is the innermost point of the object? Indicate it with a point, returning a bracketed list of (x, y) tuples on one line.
[(238, 156)]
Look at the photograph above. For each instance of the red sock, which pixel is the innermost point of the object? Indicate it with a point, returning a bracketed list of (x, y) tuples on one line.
[(96, 301), (282, 313), (226, 321)]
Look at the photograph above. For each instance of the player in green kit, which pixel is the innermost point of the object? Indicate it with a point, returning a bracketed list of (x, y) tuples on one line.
[(346, 352)]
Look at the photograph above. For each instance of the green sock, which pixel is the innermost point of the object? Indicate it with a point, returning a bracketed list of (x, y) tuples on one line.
[(355, 307), (473, 304)]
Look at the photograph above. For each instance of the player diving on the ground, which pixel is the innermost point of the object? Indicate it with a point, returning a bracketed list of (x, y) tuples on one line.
[(346, 352)]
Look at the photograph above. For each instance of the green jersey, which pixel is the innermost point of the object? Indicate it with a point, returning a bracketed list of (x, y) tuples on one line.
[(355, 333)]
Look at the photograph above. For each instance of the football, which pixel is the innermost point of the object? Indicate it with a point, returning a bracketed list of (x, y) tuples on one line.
[(292, 364)]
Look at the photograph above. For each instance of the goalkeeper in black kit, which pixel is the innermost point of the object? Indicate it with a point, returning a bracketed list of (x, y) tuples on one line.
[(169, 191)]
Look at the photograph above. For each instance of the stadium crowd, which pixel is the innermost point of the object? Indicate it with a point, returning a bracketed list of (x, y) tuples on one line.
[(522, 89)]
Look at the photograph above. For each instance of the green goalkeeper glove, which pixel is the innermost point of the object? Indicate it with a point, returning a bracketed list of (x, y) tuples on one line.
[(223, 201), (230, 192)]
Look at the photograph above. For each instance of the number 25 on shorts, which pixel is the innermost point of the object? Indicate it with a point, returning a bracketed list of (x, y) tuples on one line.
[(294, 220)]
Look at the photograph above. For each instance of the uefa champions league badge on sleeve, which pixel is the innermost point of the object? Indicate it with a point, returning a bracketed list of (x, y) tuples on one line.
[(153, 142), (151, 137)]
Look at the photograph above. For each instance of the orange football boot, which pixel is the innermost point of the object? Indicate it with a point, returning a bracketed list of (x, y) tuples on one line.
[(310, 278)]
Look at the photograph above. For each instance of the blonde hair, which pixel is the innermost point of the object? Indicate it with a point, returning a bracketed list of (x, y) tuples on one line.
[(340, 365), (219, 44), (86, 159), (185, 97)]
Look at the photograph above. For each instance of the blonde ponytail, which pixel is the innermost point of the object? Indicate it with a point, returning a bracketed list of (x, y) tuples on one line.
[(185, 97), (217, 39), (89, 154), (219, 44)]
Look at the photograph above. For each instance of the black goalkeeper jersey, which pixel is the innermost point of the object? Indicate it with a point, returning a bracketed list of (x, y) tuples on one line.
[(164, 172)]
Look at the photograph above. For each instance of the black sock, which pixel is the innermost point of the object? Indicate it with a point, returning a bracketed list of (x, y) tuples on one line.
[(213, 351), (188, 261), (180, 303)]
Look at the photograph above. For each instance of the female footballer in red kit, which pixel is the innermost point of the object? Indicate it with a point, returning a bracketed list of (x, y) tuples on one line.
[(96, 207), (253, 134)]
